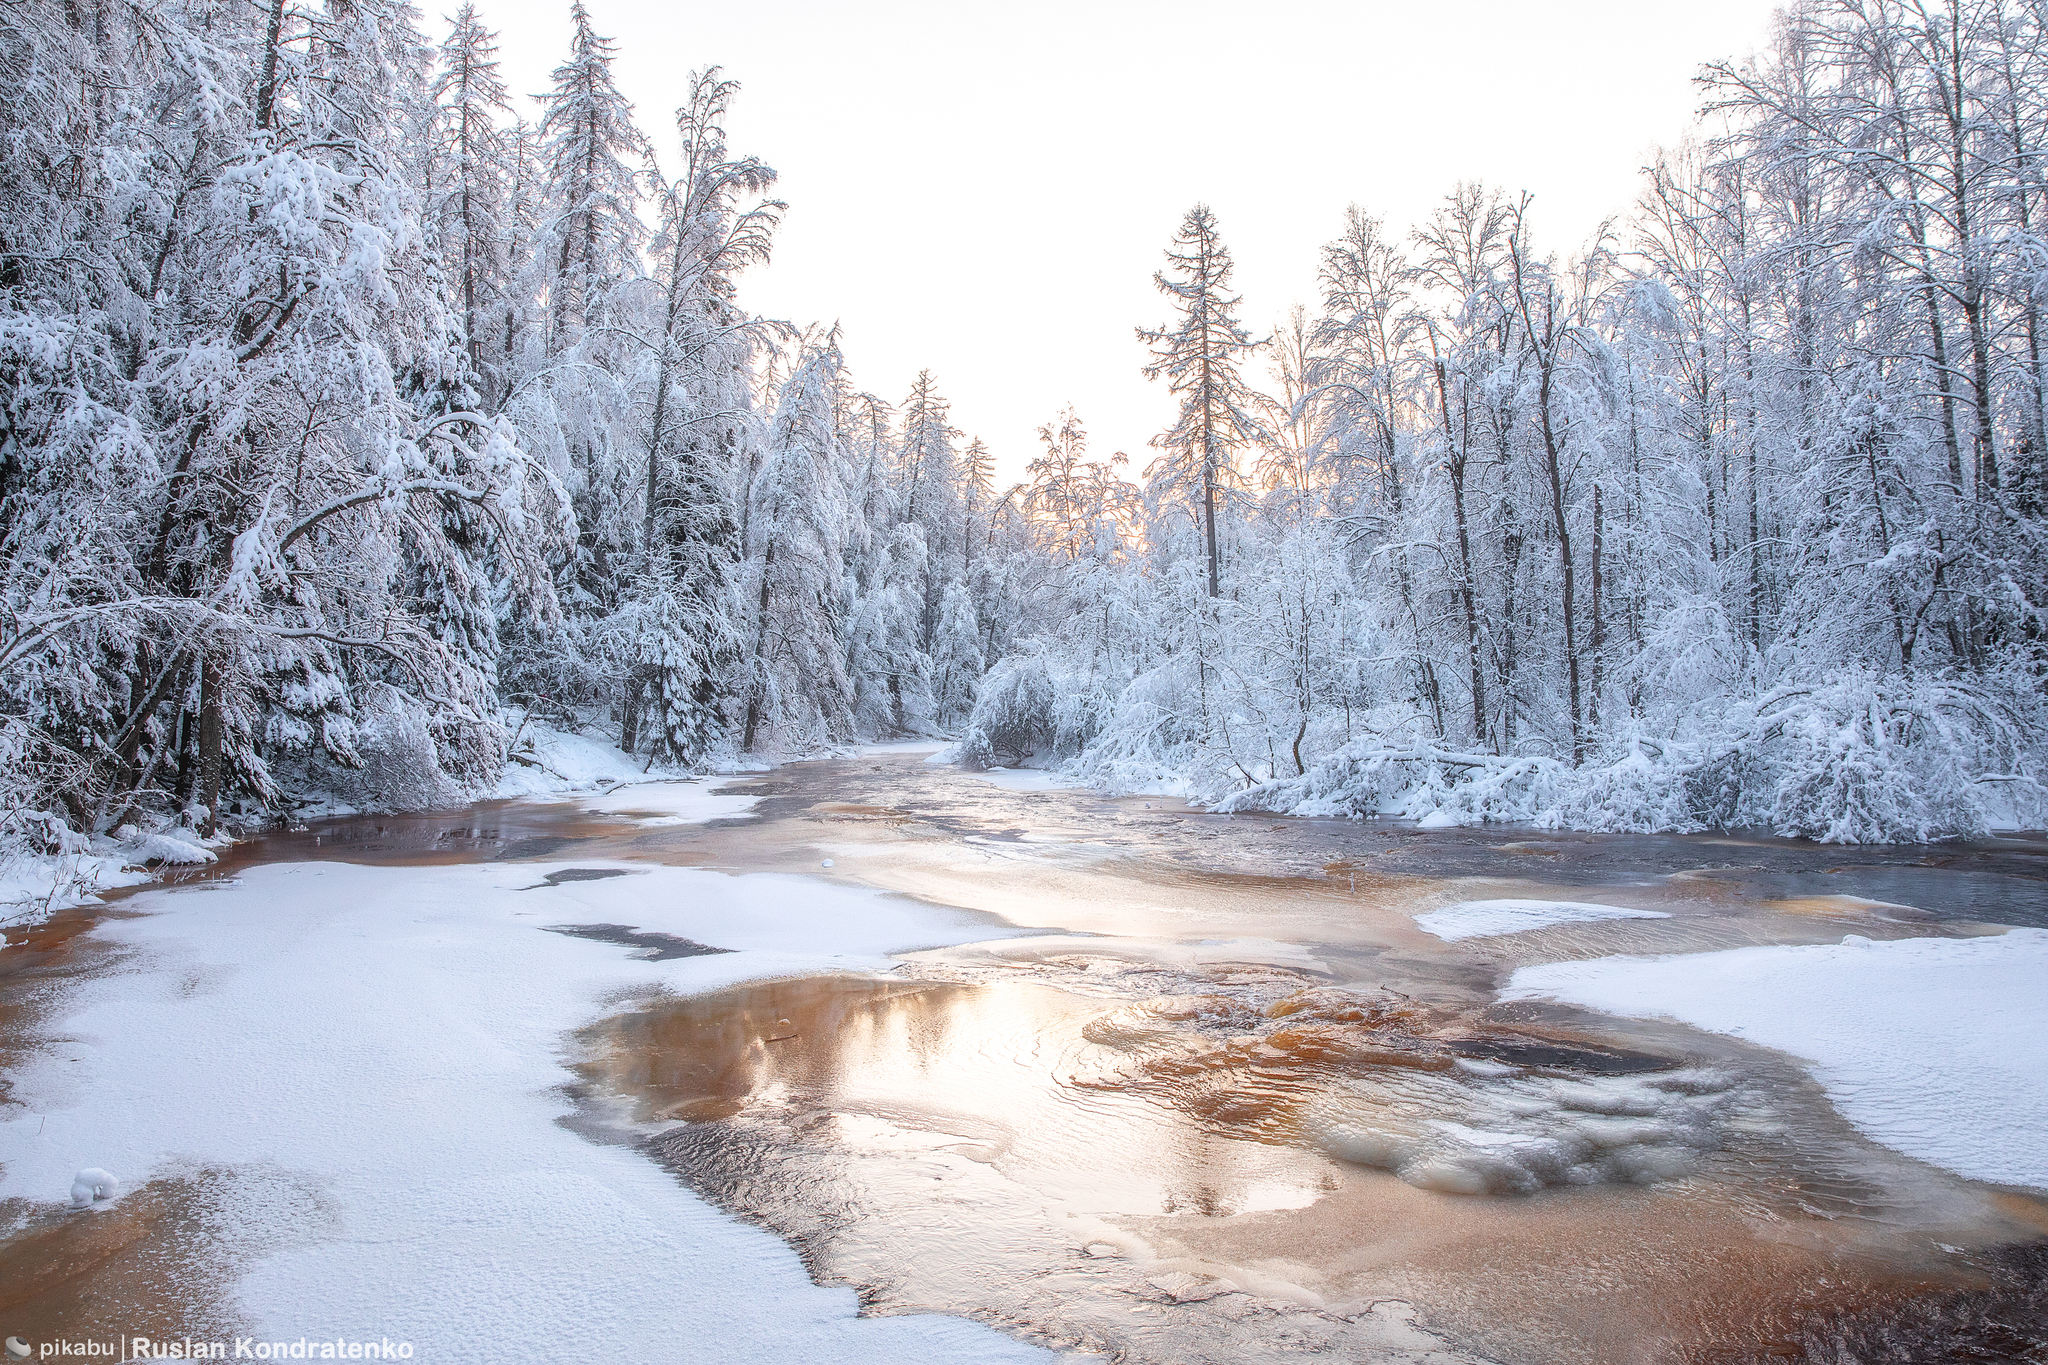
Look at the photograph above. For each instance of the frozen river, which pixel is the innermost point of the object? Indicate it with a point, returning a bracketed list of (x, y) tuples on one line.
[(1175, 1087)]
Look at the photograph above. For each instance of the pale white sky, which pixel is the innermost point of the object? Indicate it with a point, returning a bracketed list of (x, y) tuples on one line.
[(984, 190)]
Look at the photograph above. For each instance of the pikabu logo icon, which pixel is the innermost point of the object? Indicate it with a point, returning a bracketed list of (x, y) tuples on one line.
[(17, 1348)]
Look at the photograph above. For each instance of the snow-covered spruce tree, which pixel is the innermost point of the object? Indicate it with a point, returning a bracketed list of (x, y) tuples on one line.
[(469, 184), (1190, 505), (574, 251), (912, 513), (936, 495), (683, 645), (595, 158), (876, 634), (1199, 357), (891, 670), (797, 693)]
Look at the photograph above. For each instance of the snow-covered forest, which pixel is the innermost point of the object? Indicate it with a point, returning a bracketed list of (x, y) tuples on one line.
[(353, 422)]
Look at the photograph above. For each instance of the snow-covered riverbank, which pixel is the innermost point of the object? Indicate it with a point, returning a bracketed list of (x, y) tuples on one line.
[(46, 867)]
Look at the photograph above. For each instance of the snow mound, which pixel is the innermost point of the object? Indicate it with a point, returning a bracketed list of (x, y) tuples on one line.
[(1937, 1048), (1483, 919), (544, 760), (92, 1185), (173, 847)]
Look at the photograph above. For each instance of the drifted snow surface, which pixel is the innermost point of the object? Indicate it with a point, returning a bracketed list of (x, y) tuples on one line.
[(1027, 779), (1935, 1047), (376, 1055), (546, 760), (551, 764), (683, 801), (1480, 919), (32, 884)]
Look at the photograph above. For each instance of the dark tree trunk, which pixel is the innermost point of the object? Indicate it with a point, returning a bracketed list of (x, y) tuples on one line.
[(210, 739)]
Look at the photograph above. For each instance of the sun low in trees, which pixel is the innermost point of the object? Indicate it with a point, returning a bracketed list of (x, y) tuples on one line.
[(1198, 356), (1077, 509)]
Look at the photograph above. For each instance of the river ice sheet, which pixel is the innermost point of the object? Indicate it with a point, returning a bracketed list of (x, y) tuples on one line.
[(1479, 919), (1936, 1047)]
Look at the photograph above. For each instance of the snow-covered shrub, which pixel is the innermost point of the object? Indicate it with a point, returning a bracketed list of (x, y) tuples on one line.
[(1438, 787), (1152, 739), (1641, 792), (397, 762), (1866, 758), (974, 752), (1855, 756), (1013, 714)]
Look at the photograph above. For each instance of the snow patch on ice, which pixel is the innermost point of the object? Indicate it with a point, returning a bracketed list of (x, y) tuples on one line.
[(1028, 779), (1935, 1047), (683, 801), (604, 781), (1483, 919), (933, 747), (370, 1030)]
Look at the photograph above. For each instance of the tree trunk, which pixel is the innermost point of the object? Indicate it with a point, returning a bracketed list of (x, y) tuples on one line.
[(266, 89), (210, 739), (1511, 554), (1599, 626), (1456, 464), (629, 714), (1554, 468), (760, 654)]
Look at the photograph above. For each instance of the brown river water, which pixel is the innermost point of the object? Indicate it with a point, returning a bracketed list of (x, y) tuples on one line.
[(1224, 1101)]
